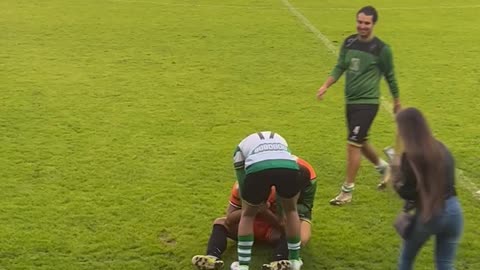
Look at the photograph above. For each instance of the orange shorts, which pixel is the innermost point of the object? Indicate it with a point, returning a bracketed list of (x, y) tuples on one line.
[(262, 230)]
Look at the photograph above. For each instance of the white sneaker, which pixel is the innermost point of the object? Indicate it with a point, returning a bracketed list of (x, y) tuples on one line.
[(389, 152), (296, 264), (345, 195), (236, 266), (384, 170), (341, 199)]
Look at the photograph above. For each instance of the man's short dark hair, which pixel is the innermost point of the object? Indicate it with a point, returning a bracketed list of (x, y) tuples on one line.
[(369, 11)]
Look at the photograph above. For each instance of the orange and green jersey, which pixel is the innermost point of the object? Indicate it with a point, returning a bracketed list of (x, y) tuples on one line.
[(307, 193)]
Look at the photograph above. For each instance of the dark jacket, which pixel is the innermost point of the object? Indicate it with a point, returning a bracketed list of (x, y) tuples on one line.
[(405, 181)]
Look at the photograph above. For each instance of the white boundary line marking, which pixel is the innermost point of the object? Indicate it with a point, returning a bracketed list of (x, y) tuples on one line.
[(330, 46), (466, 181), (304, 8)]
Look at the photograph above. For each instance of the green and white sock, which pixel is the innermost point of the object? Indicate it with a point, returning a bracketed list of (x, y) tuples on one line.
[(294, 248), (244, 249)]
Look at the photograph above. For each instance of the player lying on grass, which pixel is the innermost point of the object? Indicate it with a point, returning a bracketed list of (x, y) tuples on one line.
[(268, 227)]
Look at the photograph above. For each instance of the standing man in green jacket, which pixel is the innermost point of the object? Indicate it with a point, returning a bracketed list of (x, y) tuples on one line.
[(365, 59)]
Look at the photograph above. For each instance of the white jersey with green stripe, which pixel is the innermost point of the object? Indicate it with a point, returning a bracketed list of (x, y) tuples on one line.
[(261, 151)]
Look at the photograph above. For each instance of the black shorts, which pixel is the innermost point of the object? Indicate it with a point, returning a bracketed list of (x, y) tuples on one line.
[(257, 185), (359, 119)]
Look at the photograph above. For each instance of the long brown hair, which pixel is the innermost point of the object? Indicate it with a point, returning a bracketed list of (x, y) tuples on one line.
[(426, 157)]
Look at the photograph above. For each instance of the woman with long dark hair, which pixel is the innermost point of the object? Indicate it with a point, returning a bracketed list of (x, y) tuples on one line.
[(424, 175)]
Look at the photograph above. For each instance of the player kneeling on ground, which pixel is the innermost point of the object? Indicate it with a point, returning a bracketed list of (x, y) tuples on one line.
[(268, 227)]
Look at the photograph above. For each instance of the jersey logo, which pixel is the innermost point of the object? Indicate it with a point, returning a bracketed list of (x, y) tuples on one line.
[(355, 64), (269, 147)]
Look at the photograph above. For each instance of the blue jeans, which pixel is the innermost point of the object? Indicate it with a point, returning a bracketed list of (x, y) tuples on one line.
[(447, 228)]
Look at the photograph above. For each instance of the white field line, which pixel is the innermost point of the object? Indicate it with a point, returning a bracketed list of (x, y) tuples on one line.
[(466, 181), (270, 8)]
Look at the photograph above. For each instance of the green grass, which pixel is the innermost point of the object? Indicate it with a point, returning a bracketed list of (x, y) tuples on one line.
[(118, 120)]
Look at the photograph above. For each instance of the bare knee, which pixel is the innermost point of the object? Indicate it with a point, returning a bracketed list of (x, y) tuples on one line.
[(220, 221), (224, 222), (305, 232), (304, 241)]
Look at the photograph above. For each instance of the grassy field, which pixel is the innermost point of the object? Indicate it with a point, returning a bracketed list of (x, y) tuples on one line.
[(118, 119)]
